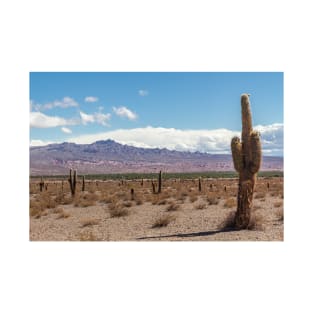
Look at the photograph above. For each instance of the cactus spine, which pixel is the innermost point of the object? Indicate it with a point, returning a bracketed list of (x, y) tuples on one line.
[(247, 161), (160, 182), (72, 180)]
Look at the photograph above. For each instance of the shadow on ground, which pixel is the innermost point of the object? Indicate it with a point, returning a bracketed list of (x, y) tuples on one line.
[(188, 235)]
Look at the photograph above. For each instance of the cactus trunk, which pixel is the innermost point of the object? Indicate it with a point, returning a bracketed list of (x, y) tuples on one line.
[(247, 161)]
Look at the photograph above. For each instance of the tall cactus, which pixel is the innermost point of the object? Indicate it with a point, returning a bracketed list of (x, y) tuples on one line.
[(72, 180), (247, 161)]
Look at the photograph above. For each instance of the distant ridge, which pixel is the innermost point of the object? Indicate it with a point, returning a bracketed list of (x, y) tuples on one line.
[(108, 156)]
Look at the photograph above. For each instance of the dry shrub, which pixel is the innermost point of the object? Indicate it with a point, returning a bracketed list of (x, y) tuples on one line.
[(139, 201), (229, 221), (127, 204), (173, 207), (87, 236), (37, 212), (46, 200), (278, 204), (193, 198), (230, 203), (280, 214), (116, 210), (63, 215), (259, 195), (89, 222), (162, 202), (67, 199), (58, 210), (256, 222), (85, 199), (163, 221), (212, 200), (200, 206)]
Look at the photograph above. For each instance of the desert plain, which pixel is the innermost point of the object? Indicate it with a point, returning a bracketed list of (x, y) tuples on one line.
[(129, 210)]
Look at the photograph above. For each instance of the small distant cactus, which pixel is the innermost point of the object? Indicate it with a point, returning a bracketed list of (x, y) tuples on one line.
[(153, 187), (83, 185), (199, 184), (41, 184), (132, 194), (247, 161), (72, 181), (160, 182)]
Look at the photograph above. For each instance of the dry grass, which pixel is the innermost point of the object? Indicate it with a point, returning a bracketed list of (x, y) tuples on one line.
[(89, 222), (87, 236), (63, 214), (259, 195), (193, 198), (228, 222), (85, 199), (173, 207), (256, 222), (230, 203), (280, 214), (117, 210), (37, 212), (278, 204), (200, 206), (212, 200), (163, 221)]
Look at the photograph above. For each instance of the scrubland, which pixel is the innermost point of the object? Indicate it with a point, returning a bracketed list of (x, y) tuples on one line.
[(109, 211)]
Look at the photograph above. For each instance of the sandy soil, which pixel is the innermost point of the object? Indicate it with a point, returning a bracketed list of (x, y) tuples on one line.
[(188, 223)]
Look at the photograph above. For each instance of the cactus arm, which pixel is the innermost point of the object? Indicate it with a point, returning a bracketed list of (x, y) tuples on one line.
[(256, 154), (236, 149), (246, 116)]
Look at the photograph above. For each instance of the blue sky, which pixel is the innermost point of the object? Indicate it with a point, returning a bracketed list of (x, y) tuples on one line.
[(181, 110)]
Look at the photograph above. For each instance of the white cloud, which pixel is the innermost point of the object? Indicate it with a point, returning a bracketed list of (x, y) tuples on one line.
[(40, 120), (66, 130), (211, 141), (66, 102), (143, 92), (38, 142), (125, 112), (91, 99), (97, 117)]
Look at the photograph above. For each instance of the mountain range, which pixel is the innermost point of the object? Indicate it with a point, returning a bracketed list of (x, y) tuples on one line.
[(108, 156)]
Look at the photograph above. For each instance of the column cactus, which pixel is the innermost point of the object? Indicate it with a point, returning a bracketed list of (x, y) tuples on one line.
[(41, 184), (72, 181), (83, 184), (160, 182), (247, 161)]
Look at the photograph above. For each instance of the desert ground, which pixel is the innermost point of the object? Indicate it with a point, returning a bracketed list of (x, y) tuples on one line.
[(117, 210)]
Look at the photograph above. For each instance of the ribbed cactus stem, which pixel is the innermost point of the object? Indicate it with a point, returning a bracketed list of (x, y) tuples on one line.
[(247, 162), (236, 149)]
